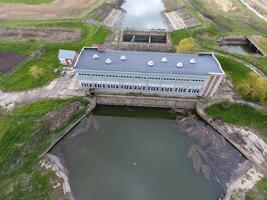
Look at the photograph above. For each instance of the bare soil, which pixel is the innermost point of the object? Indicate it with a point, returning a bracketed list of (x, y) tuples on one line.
[(56, 9), (10, 60), (226, 5), (49, 35)]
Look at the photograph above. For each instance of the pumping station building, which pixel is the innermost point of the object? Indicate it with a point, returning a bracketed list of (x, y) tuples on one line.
[(149, 73)]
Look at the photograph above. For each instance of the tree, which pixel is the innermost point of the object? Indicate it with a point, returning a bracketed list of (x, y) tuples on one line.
[(254, 88), (187, 45)]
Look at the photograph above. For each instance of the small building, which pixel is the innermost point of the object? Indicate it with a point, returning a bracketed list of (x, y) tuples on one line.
[(149, 73), (67, 57)]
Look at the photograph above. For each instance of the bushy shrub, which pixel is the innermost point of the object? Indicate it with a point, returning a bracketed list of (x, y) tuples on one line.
[(187, 45), (254, 88)]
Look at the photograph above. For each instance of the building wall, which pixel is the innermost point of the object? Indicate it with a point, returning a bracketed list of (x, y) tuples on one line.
[(158, 84)]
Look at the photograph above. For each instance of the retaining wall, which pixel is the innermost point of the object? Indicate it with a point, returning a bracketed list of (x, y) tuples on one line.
[(146, 101)]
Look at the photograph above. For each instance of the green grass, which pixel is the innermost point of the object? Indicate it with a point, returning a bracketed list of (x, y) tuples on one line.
[(21, 79), (24, 135), (26, 1), (234, 69), (239, 114), (259, 192)]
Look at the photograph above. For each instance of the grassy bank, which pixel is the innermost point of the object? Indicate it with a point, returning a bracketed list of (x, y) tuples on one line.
[(239, 114), (235, 70), (24, 135), (259, 192), (44, 64)]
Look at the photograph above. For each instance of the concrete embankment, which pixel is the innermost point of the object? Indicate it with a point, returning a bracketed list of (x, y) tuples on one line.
[(90, 108), (249, 144), (146, 101)]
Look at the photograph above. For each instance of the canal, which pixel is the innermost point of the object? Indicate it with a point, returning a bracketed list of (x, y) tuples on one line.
[(244, 49), (143, 14), (133, 153)]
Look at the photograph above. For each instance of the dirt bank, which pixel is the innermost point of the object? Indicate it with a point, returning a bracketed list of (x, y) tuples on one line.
[(60, 182), (10, 60), (56, 9), (48, 34), (211, 151)]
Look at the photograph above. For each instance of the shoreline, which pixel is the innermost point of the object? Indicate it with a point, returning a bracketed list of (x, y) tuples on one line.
[(61, 186)]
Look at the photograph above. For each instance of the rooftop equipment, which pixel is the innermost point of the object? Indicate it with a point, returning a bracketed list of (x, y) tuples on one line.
[(193, 61), (108, 61), (95, 56), (150, 63), (123, 58), (164, 60), (180, 65)]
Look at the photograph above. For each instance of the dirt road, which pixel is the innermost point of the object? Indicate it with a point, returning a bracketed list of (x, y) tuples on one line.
[(56, 9)]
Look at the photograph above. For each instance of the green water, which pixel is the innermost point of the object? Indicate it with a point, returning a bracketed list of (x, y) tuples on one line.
[(135, 158)]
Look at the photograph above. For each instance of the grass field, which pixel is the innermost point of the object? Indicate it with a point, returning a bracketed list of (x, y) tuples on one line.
[(22, 78), (26, 1), (235, 70), (24, 135), (259, 192), (239, 114)]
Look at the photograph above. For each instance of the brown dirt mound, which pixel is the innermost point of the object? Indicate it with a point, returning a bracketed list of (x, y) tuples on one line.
[(59, 35)]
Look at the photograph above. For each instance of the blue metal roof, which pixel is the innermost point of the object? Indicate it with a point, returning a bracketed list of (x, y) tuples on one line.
[(66, 54), (137, 62)]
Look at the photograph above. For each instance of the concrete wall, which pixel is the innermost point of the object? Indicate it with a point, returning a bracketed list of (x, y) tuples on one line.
[(146, 101)]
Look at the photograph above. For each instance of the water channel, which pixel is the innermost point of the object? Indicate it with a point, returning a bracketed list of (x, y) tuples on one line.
[(240, 49), (133, 153), (143, 14)]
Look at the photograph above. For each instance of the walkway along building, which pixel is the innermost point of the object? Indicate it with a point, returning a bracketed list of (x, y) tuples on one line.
[(164, 74)]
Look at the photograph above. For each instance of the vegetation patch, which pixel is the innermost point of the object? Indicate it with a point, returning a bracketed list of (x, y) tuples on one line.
[(24, 136), (47, 34), (46, 59), (246, 82), (36, 72), (259, 192), (239, 114), (187, 45)]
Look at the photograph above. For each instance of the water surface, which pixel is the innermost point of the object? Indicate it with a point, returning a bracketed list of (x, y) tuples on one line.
[(240, 49), (143, 14), (136, 156)]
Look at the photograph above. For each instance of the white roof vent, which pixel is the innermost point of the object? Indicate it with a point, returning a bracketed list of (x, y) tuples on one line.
[(123, 58), (150, 63), (180, 64), (164, 60), (95, 56), (108, 61), (193, 61)]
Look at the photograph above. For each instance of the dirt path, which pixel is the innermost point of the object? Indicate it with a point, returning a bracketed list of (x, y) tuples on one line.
[(59, 88), (56, 9)]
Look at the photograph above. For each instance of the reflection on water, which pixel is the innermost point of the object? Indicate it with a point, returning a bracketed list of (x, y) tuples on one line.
[(143, 14), (140, 157)]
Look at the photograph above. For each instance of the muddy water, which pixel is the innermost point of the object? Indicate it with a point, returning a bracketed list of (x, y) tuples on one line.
[(125, 153), (143, 14)]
